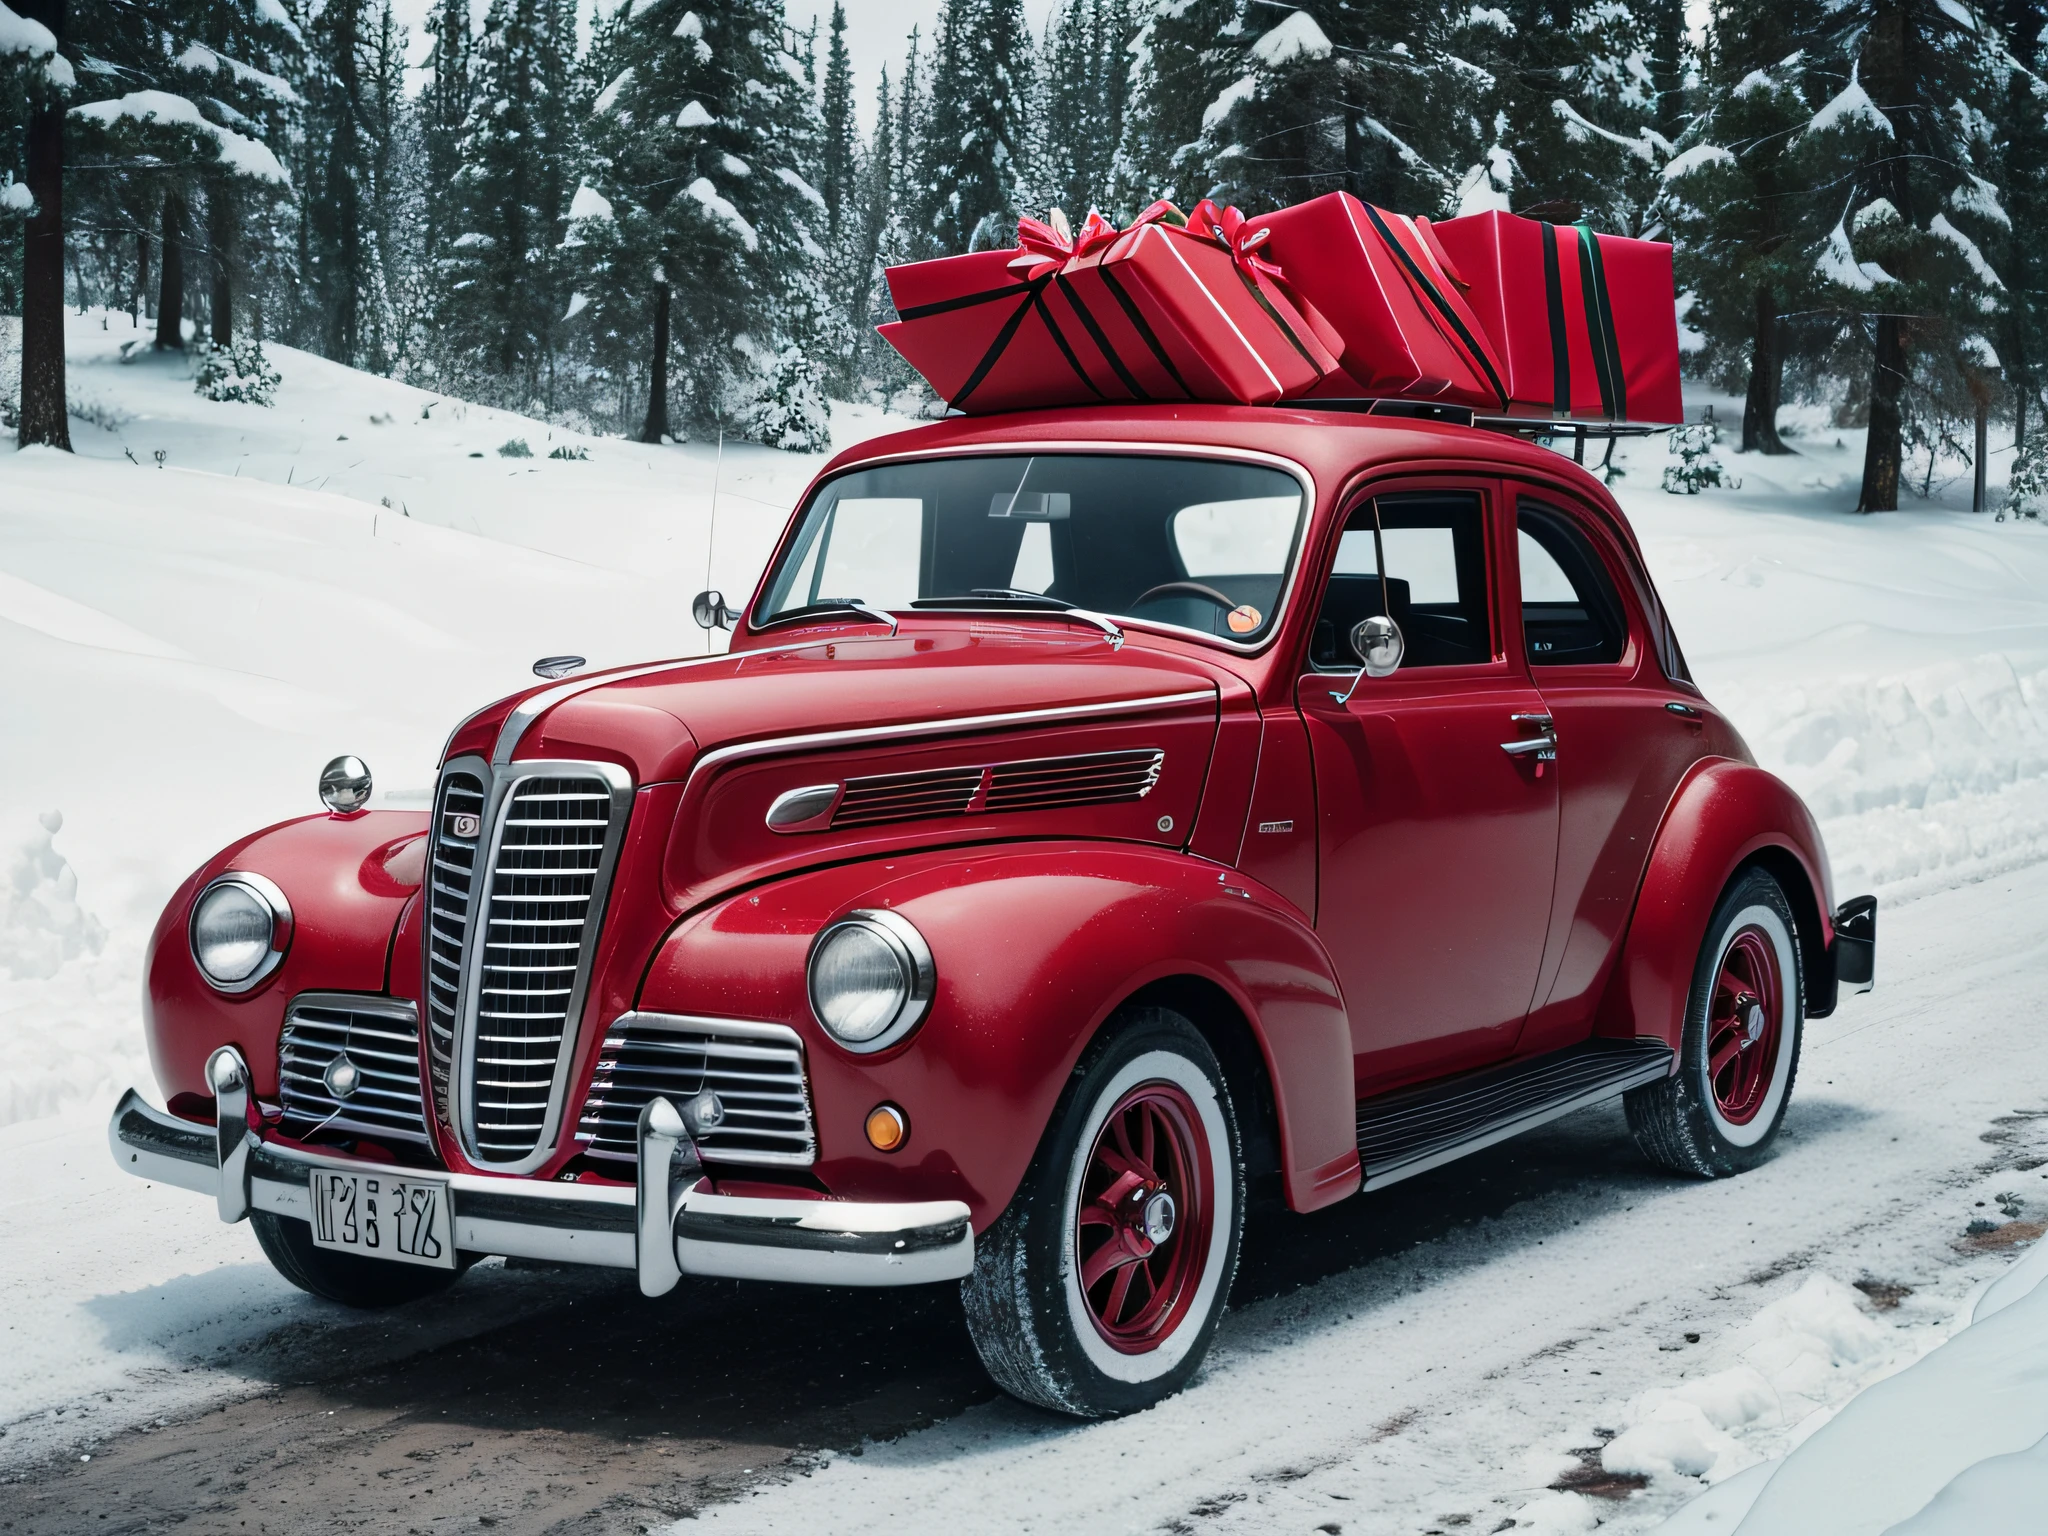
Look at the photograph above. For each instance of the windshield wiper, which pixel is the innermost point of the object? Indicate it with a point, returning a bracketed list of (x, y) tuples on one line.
[(1011, 599), (830, 605)]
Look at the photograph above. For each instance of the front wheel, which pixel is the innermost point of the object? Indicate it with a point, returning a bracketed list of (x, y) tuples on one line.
[(348, 1278), (1098, 1291), (1718, 1114)]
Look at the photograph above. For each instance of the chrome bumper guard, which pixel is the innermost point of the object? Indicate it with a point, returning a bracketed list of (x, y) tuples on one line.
[(810, 1242)]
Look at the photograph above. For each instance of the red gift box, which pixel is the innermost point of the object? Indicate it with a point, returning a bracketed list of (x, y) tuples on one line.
[(1379, 279), (1585, 324), (1155, 312)]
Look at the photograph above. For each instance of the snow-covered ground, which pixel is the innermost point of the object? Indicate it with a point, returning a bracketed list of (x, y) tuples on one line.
[(186, 640)]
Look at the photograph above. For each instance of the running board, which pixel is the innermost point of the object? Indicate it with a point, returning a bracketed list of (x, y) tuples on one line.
[(1411, 1132)]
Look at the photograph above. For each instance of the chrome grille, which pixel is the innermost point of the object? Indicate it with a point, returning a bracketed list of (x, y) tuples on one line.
[(550, 846), (756, 1070), (451, 874), (381, 1036), (906, 796), (1098, 778)]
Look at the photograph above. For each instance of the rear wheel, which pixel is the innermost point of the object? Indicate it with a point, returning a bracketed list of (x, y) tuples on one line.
[(1098, 1291), (1740, 1052), (348, 1278)]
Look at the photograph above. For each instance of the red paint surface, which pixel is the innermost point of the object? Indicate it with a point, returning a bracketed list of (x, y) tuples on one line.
[(1401, 927)]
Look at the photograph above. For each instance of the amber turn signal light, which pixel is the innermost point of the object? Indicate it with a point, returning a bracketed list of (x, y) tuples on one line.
[(887, 1128)]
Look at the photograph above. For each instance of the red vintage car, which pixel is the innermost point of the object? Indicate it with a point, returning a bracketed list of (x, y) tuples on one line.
[(1100, 817)]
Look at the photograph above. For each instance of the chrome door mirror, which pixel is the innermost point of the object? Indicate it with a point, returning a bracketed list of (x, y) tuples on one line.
[(1379, 645), (710, 612)]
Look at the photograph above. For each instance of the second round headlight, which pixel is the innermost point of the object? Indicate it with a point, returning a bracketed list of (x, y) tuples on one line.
[(871, 979)]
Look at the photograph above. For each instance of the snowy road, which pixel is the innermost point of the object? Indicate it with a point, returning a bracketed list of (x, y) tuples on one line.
[(1430, 1359)]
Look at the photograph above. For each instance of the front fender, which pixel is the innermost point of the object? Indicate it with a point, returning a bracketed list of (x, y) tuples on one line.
[(346, 890), (1035, 947), (1725, 814)]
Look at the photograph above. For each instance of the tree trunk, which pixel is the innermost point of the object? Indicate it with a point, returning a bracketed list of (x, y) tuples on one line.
[(1979, 489), (170, 294), (220, 233), (657, 383), (1766, 370), (1882, 449), (141, 275), (44, 418)]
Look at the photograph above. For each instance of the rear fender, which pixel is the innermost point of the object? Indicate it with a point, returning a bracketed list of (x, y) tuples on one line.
[(1726, 816), (1035, 947)]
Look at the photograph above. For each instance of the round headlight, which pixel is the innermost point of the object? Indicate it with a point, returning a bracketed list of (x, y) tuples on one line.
[(240, 927), (871, 979)]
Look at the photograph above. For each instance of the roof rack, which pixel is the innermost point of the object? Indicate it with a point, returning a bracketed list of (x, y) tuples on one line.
[(1578, 431)]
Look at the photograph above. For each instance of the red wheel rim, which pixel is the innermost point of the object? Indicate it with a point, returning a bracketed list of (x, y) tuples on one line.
[(1141, 1232), (1743, 1026)]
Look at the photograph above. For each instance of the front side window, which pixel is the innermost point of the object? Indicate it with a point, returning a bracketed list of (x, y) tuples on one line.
[(1432, 583), (1199, 544)]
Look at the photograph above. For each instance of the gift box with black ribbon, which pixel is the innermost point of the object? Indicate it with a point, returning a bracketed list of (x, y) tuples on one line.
[(1171, 308), (1380, 279), (1585, 324)]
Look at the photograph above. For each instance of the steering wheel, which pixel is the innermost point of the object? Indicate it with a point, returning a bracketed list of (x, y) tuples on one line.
[(1187, 589)]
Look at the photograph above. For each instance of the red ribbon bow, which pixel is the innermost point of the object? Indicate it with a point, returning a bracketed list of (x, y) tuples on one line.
[(1052, 243)]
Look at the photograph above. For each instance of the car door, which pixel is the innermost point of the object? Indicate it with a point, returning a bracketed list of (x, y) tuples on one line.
[(1436, 804), (1627, 731)]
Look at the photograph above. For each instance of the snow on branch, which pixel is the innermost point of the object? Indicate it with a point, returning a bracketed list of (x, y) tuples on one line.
[(802, 188), (1699, 156), (1941, 229), (1838, 264), (591, 204), (1980, 197), (1853, 105), (244, 156), (694, 115), (1242, 89), (609, 96), (18, 34), (1298, 37), (1491, 17), (1579, 128), (721, 209), (201, 60)]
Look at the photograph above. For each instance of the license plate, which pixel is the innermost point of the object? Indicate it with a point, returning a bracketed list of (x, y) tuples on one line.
[(382, 1216)]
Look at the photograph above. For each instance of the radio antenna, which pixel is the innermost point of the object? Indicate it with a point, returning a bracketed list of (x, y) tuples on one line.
[(711, 533)]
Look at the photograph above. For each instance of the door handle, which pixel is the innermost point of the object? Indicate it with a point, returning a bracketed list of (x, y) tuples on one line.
[(1542, 746), (1684, 711)]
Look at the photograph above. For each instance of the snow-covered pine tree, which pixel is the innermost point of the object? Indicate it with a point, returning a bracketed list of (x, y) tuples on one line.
[(1739, 203), (981, 88), (35, 78), (2019, 251), (1908, 144), (200, 110), (505, 287), (1083, 97), (693, 202), (443, 108), (1185, 57), (837, 168)]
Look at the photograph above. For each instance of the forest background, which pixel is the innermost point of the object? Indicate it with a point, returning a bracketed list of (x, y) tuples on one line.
[(669, 216)]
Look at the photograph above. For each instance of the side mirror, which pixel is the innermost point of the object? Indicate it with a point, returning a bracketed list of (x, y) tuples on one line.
[(710, 612), (1379, 645)]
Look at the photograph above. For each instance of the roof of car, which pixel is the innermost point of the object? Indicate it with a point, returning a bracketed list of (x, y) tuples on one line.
[(1333, 444)]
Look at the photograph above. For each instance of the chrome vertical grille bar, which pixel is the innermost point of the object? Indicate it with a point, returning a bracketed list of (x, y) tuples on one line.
[(457, 832)]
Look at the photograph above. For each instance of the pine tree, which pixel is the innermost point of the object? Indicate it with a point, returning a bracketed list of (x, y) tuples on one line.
[(1083, 97), (35, 78), (1185, 58), (836, 166), (1740, 200), (506, 284), (974, 144), (444, 107)]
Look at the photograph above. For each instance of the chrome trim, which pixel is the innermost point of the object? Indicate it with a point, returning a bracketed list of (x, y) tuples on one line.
[(662, 1142), (781, 819), (814, 1242), (1110, 447), (265, 890), (499, 787), (717, 1033), (396, 1011), (228, 1075), (920, 975), (817, 740), (535, 705)]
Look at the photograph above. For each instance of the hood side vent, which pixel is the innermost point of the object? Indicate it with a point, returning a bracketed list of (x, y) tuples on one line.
[(907, 796), (1036, 784), (1100, 778)]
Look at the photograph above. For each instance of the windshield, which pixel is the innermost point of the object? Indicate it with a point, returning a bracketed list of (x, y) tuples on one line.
[(1201, 544)]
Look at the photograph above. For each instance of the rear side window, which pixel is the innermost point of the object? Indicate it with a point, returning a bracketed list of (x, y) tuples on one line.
[(1571, 614)]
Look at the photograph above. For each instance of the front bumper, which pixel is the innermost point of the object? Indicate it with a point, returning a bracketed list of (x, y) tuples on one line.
[(663, 1229)]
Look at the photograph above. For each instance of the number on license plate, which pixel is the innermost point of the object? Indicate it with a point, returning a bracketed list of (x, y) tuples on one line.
[(382, 1217)]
